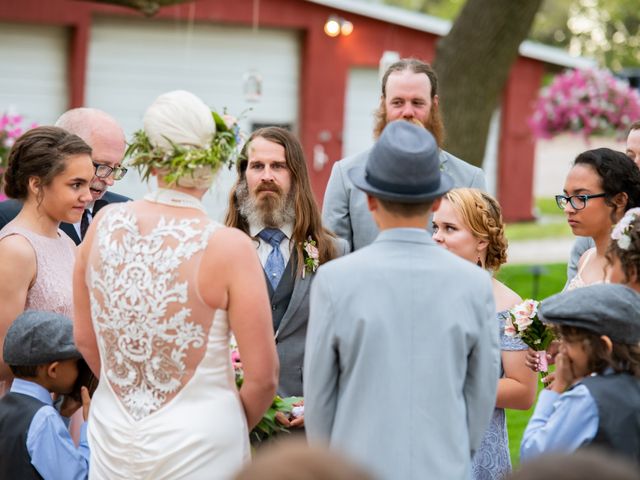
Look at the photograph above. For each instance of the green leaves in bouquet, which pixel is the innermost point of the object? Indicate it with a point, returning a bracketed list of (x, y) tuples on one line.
[(538, 335), (269, 426)]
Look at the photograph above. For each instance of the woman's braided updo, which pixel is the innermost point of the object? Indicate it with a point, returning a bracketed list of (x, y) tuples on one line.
[(481, 213), (41, 153)]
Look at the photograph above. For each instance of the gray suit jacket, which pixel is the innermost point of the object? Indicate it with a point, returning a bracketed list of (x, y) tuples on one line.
[(402, 357), (345, 210), (292, 332)]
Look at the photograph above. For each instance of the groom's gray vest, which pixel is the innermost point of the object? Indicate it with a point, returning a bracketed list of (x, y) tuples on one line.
[(282, 295)]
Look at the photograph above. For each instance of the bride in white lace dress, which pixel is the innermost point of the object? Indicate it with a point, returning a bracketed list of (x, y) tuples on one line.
[(158, 288)]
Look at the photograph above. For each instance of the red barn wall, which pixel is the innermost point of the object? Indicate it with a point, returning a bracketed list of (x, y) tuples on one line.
[(325, 65)]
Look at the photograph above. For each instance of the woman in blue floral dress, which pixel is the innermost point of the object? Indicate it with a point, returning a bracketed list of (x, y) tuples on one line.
[(469, 224)]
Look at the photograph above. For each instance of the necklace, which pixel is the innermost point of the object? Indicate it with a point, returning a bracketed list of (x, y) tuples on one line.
[(174, 198)]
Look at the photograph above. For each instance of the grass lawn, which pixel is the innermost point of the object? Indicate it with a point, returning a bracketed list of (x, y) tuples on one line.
[(516, 423), (520, 279), (551, 222), (536, 230), (548, 206)]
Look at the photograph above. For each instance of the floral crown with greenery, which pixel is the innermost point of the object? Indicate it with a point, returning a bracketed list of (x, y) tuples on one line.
[(182, 161)]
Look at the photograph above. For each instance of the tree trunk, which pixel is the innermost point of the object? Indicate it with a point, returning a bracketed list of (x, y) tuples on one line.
[(473, 63)]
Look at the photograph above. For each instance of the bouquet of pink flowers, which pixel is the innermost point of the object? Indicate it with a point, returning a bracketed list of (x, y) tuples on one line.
[(268, 426), (588, 102), (525, 324)]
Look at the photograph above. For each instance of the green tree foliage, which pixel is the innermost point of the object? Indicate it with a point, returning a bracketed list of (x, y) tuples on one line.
[(608, 30)]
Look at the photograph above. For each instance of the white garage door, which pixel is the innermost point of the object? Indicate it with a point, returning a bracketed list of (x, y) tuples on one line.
[(363, 97), (33, 76), (131, 62)]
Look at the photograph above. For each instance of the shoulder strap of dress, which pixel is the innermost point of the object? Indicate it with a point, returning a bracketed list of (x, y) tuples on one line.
[(586, 260)]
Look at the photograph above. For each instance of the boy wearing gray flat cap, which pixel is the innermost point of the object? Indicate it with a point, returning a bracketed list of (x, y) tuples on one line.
[(34, 440), (595, 395)]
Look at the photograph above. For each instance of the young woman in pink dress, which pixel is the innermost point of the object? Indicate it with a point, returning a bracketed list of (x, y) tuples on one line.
[(49, 170)]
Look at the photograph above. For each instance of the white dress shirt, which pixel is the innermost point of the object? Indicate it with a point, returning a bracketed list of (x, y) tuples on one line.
[(77, 225), (264, 248)]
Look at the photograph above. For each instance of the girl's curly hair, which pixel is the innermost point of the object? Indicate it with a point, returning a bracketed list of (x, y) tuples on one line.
[(629, 257)]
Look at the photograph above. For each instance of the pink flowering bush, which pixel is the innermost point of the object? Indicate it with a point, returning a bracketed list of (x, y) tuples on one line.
[(587, 102), (10, 129)]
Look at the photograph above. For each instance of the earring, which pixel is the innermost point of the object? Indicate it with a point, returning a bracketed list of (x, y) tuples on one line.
[(479, 263)]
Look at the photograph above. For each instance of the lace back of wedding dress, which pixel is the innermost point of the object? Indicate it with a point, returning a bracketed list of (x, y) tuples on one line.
[(151, 324)]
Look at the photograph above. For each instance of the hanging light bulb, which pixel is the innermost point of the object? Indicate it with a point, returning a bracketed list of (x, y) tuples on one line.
[(346, 27), (332, 26), (252, 86)]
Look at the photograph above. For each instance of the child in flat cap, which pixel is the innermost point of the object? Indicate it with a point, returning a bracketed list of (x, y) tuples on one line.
[(595, 395), (34, 440)]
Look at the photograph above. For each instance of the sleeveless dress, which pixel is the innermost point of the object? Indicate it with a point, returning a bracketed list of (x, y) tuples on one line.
[(52, 289), (577, 281), (167, 406), (492, 459)]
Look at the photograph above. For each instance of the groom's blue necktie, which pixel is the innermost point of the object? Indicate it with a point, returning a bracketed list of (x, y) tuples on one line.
[(275, 261)]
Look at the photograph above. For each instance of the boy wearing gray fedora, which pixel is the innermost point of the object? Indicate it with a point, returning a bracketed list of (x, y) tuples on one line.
[(34, 440), (594, 398), (402, 357)]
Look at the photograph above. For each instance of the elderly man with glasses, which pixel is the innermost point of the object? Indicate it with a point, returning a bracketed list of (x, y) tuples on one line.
[(106, 138)]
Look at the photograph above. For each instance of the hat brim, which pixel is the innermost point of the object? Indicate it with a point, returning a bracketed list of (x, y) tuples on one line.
[(357, 175)]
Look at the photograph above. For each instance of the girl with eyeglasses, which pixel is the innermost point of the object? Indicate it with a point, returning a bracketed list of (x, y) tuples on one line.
[(599, 188)]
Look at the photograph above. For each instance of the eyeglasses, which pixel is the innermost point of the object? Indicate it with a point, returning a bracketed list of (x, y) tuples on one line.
[(103, 171), (577, 201)]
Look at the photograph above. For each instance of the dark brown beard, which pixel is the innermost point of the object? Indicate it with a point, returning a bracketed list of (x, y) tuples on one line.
[(270, 210), (434, 123)]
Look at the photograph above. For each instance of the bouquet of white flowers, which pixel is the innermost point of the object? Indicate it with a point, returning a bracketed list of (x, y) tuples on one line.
[(525, 324)]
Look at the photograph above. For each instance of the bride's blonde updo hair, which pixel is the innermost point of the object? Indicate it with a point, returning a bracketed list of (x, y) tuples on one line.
[(482, 215), (180, 117), (180, 120)]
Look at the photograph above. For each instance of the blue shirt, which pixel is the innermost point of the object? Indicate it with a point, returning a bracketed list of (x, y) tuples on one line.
[(560, 423), (52, 451)]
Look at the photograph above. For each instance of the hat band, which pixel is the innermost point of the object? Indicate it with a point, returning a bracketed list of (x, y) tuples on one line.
[(402, 189)]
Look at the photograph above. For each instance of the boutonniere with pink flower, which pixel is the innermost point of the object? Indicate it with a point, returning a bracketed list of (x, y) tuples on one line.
[(311, 256), (525, 324)]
